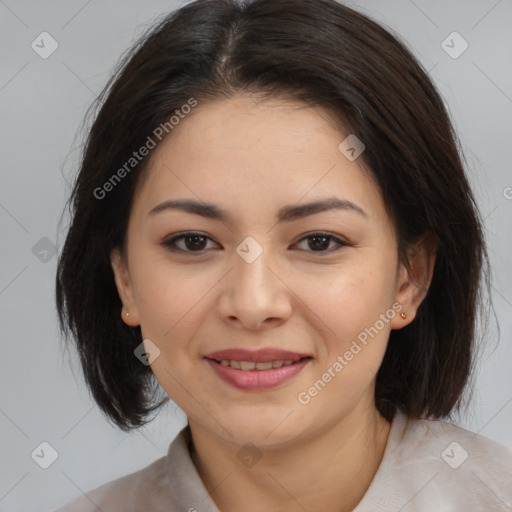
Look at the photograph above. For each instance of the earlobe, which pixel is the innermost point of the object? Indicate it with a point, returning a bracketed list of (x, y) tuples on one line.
[(413, 282), (129, 311)]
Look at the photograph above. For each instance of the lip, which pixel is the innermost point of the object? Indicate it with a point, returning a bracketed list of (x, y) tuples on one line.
[(263, 355), (257, 380)]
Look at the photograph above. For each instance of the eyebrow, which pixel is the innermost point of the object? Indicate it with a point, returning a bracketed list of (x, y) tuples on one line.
[(285, 214)]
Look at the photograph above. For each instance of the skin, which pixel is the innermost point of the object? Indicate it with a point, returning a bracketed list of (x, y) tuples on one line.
[(251, 158)]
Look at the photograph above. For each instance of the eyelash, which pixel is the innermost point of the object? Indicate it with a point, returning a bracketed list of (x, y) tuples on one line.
[(171, 243)]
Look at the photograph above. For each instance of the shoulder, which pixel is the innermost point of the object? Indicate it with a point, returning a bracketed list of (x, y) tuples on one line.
[(463, 446), (148, 489), (437, 465), (123, 493)]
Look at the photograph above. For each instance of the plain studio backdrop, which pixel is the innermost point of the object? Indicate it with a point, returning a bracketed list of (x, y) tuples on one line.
[(45, 89)]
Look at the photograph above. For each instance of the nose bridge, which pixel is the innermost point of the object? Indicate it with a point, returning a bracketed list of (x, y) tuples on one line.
[(251, 265), (255, 293)]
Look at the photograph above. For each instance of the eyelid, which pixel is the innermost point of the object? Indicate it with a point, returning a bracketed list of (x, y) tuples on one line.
[(170, 243), (339, 240)]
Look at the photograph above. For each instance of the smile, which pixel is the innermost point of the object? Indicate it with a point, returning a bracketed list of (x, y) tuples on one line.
[(253, 366), (257, 376)]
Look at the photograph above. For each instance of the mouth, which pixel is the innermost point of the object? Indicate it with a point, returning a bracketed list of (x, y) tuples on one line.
[(253, 366), (263, 355), (256, 371)]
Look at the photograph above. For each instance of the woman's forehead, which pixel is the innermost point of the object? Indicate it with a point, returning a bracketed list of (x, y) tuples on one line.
[(250, 144), (242, 122)]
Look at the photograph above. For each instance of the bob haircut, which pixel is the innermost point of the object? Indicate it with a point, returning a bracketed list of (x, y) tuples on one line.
[(322, 54)]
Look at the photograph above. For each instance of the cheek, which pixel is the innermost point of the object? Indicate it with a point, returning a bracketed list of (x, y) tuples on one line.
[(348, 299), (169, 298), (356, 307)]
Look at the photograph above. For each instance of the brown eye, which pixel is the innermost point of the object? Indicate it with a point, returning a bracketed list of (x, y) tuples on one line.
[(191, 242), (319, 242), (197, 243)]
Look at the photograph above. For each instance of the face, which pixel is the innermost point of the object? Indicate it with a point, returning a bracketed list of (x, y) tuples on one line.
[(318, 283)]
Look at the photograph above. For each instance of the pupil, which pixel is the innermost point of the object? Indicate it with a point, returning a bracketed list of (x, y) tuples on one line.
[(196, 244), (323, 245)]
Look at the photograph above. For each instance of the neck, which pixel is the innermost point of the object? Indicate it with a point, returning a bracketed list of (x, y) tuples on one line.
[(331, 469)]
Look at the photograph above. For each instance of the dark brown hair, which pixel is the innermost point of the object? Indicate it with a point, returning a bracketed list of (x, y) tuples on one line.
[(320, 53)]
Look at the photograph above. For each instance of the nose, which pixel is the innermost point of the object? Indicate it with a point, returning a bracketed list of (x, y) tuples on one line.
[(255, 295)]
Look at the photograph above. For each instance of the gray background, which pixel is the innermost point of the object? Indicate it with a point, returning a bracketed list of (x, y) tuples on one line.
[(43, 101)]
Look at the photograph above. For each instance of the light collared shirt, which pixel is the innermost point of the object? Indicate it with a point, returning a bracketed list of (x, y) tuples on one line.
[(427, 466)]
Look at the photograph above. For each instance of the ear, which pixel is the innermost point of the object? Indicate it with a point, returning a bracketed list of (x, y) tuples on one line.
[(413, 284), (124, 288)]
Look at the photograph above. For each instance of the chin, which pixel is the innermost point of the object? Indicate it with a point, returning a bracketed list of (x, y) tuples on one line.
[(259, 426)]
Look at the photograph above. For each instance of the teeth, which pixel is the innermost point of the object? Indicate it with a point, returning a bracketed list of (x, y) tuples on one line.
[(264, 366), (251, 365)]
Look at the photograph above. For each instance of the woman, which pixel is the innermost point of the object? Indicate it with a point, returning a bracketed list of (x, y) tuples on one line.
[(272, 219)]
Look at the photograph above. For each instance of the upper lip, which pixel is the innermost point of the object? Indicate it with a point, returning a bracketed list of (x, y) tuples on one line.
[(263, 355)]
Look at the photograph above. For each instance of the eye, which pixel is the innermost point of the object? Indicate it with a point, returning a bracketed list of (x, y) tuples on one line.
[(192, 242), (320, 241)]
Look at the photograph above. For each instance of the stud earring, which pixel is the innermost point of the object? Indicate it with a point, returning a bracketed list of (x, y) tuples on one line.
[(403, 315)]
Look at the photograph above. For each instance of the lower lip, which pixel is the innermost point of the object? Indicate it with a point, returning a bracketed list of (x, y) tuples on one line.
[(257, 380)]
